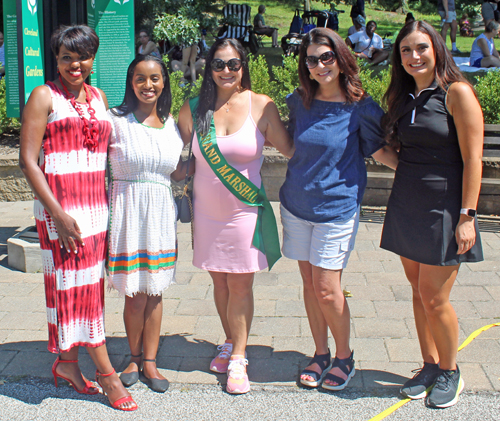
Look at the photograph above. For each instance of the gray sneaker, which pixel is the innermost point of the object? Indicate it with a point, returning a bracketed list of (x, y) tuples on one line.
[(449, 385), (416, 388)]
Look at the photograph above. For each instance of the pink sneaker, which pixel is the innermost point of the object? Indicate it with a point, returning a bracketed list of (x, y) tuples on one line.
[(237, 378), (220, 363)]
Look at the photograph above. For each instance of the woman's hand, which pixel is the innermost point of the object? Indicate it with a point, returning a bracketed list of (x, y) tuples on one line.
[(465, 234), (69, 232)]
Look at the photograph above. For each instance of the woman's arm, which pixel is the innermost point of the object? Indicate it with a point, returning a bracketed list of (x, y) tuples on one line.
[(274, 130), (468, 117), (185, 126), (387, 156), (150, 47), (34, 123), (483, 45)]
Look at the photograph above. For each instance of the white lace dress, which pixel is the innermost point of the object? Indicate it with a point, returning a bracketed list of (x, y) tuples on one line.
[(142, 248)]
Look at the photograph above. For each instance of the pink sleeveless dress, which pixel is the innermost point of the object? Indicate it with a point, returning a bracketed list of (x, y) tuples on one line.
[(223, 225)]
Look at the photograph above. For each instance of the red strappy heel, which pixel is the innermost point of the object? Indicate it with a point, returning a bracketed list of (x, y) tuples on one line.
[(116, 404), (88, 384)]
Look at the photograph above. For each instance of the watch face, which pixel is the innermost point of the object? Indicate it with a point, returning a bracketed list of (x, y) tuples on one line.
[(471, 213)]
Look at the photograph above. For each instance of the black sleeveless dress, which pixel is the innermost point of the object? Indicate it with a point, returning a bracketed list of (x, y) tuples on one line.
[(424, 206)]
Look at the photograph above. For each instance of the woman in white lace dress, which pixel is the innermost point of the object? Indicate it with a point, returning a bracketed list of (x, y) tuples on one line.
[(144, 151)]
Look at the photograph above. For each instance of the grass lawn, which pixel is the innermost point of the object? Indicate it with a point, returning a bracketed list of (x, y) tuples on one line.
[(279, 14)]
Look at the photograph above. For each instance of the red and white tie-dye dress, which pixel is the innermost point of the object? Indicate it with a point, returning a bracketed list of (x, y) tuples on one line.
[(74, 283)]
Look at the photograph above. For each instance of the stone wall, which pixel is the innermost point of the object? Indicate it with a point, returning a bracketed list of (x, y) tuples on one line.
[(13, 186)]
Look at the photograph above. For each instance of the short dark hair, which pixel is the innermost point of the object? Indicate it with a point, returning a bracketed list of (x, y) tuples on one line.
[(350, 83), (130, 101), (262, 8), (208, 91), (78, 39), (370, 22), (402, 84)]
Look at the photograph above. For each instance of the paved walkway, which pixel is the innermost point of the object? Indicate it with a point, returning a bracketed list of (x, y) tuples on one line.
[(383, 332)]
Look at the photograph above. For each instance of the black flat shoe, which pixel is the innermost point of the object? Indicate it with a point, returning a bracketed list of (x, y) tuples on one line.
[(156, 385), (128, 379)]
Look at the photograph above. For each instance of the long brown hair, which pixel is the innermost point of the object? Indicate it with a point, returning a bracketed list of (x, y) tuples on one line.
[(402, 84), (350, 82)]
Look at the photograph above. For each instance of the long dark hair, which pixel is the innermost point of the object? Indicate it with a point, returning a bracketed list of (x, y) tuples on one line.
[(402, 84), (130, 101), (208, 91), (350, 82)]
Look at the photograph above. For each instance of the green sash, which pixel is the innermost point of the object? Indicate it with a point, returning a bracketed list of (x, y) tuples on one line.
[(265, 237)]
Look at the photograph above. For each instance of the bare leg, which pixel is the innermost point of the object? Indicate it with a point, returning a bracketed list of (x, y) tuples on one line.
[(490, 61), (453, 32), (435, 283), (151, 336), (186, 54), (427, 345), (221, 298), (333, 304), (317, 322), (379, 56), (275, 38), (240, 309), (444, 31), (111, 385), (133, 316), (71, 370)]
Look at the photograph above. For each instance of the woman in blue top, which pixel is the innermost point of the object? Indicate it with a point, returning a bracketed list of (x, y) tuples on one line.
[(335, 125)]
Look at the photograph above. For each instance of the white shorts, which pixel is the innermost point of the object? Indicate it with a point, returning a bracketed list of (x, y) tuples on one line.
[(326, 245), (451, 17)]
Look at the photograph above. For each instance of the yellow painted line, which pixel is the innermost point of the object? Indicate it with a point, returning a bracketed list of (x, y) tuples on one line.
[(402, 402)]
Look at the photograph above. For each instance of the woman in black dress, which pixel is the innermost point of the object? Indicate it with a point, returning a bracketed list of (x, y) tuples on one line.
[(435, 120)]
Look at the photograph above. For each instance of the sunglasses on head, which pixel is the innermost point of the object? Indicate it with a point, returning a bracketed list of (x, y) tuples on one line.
[(233, 65), (325, 58)]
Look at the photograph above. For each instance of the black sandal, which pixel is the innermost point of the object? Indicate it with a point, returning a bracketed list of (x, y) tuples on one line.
[(324, 363), (346, 365), (157, 385)]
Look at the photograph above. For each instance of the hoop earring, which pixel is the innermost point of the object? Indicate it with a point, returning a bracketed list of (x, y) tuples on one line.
[(311, 76)]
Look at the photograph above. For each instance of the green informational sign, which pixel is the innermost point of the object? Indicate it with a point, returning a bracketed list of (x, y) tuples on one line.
[(11, 63), (113, 21), (32, 26)]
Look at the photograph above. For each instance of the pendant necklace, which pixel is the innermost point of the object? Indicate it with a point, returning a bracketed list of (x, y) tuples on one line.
[(90, 130)]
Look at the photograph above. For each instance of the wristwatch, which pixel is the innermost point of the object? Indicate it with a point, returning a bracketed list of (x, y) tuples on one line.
[(468, 212)]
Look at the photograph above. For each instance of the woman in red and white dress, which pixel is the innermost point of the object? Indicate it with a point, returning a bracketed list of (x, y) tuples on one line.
[(64, 139)]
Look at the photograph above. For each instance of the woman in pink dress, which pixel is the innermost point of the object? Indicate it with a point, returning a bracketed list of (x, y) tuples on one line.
[(64, 140), (239, 122)]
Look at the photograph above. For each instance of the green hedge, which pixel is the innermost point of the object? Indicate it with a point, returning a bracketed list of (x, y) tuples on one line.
[(284, 80)]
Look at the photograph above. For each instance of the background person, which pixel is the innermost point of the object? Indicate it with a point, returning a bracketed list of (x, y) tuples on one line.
[(147, 46), (483, 52), (435, 120), (488, 9), (261, 28), (335, 125), (144, 151), (184, 63), (446, 9), (358, 25), (240, 122), (64, 140), (368, 45)]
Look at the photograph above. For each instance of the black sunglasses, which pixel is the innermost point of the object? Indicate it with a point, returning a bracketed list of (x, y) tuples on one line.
[(233, 65), (325, 58)]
